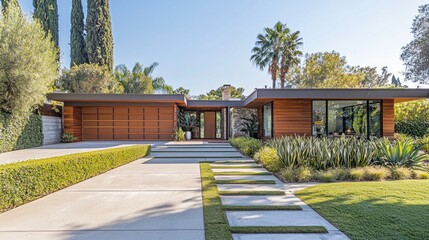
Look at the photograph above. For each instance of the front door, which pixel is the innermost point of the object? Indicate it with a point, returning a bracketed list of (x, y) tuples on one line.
[(209, 124)]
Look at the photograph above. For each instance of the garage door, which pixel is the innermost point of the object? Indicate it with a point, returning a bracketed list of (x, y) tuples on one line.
[(127, 123)]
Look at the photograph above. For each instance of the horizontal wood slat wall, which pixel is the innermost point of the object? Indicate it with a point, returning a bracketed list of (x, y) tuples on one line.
[(128, 123), (73, 121), (291, 116), (388, 118)]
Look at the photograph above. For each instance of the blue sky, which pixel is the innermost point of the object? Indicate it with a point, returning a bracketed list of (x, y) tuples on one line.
[(201, 45)]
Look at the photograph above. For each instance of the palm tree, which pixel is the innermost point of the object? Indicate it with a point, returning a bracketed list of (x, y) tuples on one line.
[(290, 44), (277, 49), (267, 53)]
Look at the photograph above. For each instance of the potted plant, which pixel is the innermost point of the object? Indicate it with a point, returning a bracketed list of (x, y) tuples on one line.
[(187, 123)]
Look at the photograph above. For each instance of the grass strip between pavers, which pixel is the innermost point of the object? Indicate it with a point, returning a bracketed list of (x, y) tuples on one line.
[(220, 167), (240, 173), (252, 193), (215, 222), (234, 161), (279, 229), (245, 181), (263, 208)]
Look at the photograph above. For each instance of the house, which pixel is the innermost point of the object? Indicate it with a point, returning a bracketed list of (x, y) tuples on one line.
[(312, 112)]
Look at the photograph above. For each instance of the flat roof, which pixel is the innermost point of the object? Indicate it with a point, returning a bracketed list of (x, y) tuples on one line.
[(257, 98)]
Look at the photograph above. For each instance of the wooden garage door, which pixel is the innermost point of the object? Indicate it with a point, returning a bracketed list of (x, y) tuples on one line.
[(127, 123)]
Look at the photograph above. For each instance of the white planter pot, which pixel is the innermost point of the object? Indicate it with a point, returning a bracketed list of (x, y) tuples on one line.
[(188, 135)]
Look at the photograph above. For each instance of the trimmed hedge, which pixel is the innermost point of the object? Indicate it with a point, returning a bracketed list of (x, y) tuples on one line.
[(23, 182), (20, 132)]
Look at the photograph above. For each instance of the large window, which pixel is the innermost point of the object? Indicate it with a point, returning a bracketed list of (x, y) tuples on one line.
[(267, 120), (334, 118)]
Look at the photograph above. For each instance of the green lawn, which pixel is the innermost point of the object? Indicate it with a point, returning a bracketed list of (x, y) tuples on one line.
[(374, 210)]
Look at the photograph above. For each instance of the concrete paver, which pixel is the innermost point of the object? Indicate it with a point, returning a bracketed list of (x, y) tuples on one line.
[(262, 200), (335, 235)]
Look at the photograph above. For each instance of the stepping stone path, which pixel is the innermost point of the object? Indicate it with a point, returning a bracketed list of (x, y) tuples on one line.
[(305, 217)]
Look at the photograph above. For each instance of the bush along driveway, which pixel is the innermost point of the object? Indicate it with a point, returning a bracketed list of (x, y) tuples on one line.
[(243, 201)]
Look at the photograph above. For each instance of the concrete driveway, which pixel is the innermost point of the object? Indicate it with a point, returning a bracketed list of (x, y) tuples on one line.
[(64, 149), (151, 198)]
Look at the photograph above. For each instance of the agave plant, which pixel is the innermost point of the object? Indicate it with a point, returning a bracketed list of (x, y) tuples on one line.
[(401, 153)]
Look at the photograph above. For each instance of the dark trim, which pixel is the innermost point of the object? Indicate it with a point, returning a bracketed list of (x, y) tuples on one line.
[(119, 104), (367, 120), (272, 120), (214, 103), (101, 97), (228, 123)]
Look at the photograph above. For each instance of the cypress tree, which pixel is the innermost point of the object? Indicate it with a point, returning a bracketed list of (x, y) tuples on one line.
[(77, 36), (6, 3), (99, 40), (47, 12)]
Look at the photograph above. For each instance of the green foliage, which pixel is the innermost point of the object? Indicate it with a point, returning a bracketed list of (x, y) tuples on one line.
[(23, 182), (376, 173), (88, 78), (217, 94), (412, 118), (99, 39), (250, 125), (324, 153), (401, 173), (28, 69), (21, 132), (417, 174), (78, 52), (277, 50), (138, 80), (179, 135), (300, 174), (28, 66), (47, 12), (269, 158), (357, 174), (68, 138), (6, 3), (330, 70), (423, 143), (247, 145), (187, 121), (415, 53), (401, 153)]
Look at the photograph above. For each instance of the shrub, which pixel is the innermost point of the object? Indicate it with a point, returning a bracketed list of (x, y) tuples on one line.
[(375, 173), (357, 174), (412, 118), (288, 174), (179, 135), (247, 145), (23, 182), (89, 78), (401, 153), (400, 173), (324, 153), (423, 143), (303, 174), (326, 175), (68, 138), (418, 174), (269, 158), (341, 174)]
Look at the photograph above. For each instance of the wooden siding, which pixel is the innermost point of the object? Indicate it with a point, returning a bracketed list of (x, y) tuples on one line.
[(291, 116), (73, 121), (128, 123), (388, 118)]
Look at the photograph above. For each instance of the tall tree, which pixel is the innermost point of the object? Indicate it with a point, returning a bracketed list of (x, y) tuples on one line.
[(6, 3), (416, 53), (278, 50), (78, 52), (47, 12), (290, 53), (99, 39), (396, 81)]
